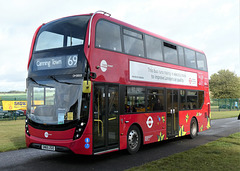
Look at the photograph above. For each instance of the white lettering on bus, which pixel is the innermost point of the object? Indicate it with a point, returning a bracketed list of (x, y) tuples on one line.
[(147, 138), (56, 62), (45, 63), (104, 66), (158, 74)]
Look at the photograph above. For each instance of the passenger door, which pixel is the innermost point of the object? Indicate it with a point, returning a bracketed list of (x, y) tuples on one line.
[(105, 117), (172, 113)]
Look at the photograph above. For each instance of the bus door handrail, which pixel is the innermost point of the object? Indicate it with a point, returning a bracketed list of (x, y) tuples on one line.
[(98, 120), (90, 24), (110, 119)]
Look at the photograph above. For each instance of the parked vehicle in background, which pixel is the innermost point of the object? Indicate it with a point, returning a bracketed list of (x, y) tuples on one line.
[(4, 113), (19, 113), (224, 106)]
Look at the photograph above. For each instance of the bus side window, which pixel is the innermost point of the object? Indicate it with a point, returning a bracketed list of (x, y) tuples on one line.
[(192, 99), (154, 48), (108, 36), (190, 58), (200, 99), (183, 100), (135, 100), (133, 43), (201, 62), (170, 53), (155, 100), (181, 56)]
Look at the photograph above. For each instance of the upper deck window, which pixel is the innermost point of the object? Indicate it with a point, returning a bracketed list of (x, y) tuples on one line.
[(49, 40), (66, 32), (181, 56), (190, 58), (201, 62), (170, 53), (108, 36), (71, 41), (133, 43), (115, 37), (154, 48)]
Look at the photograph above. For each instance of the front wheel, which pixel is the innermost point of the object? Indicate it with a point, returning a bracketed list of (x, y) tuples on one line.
[(133, 139), (193, 128)]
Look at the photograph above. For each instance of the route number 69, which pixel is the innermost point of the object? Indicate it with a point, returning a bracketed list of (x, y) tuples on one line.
[(72, 61)]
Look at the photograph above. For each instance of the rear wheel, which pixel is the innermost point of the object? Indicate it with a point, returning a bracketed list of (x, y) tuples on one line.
[(193, 128), (133, 139)]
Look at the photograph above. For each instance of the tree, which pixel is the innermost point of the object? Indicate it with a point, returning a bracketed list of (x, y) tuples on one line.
[(224, 84)]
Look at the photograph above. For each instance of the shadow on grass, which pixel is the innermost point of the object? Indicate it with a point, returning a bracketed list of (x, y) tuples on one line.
[(18, 142)]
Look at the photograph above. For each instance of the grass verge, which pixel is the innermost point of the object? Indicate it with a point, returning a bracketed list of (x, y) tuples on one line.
[(224, 114), (12, 135), (222, 154)]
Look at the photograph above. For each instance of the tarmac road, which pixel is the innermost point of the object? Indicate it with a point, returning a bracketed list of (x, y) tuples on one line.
[(33, 159)]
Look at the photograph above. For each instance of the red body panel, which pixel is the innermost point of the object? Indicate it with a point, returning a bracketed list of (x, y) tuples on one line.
[(52, 135), (76, 146), (32, 45), (153, 125)]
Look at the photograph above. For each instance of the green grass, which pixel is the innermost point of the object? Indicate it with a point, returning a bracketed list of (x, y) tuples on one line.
[(13, 96), (224, 114), (222, 154), (12, 135)]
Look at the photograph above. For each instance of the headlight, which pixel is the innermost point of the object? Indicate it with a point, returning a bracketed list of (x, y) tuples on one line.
[(26, 127), (79, 130)]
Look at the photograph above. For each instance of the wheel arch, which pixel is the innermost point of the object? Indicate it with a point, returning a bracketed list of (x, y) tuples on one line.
[(194, 117), (141, 131)]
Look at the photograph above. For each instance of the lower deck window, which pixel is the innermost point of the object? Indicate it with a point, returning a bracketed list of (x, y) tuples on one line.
[(143, 99), (155, 99), (135, 100), (191, 99)]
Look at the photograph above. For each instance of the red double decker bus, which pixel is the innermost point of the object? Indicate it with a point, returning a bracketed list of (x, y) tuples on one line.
[(96, 85)]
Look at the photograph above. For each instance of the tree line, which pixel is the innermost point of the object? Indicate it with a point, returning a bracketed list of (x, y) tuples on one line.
[(224, 85)]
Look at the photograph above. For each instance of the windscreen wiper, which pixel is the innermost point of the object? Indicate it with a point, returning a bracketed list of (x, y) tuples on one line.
[(30, 78), (63, 82)]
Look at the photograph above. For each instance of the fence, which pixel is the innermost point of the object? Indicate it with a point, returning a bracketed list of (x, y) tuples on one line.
[(225, 104)]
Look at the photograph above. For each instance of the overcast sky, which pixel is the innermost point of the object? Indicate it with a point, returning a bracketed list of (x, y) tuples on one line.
[(208, 25)]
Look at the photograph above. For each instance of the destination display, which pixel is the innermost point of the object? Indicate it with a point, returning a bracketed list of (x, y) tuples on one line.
[(59, 62), (152, 73)]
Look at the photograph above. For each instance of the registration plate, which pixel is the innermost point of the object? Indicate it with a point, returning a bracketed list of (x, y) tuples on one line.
[(48, 147)]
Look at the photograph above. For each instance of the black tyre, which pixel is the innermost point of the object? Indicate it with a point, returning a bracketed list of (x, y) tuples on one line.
[(133, 139), (193, 128)]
